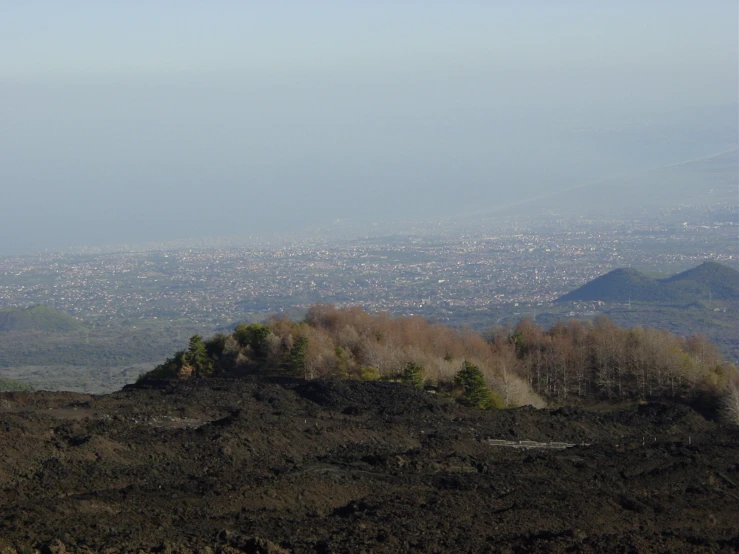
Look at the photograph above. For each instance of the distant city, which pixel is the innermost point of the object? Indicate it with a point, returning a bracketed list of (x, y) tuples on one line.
[(435, 269)]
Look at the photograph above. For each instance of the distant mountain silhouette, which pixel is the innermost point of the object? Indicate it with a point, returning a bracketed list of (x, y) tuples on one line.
[(38, 318), (709, 280)]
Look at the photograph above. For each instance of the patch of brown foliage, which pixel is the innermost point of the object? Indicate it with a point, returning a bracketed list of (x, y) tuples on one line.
[(572, 362)]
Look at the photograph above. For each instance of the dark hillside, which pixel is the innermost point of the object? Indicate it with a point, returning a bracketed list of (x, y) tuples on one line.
[(710, 280), (620, 285), (285, 465)]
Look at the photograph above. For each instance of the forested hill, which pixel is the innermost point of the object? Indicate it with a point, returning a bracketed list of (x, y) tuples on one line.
[(38, 318), (708, 281), (571, 363)]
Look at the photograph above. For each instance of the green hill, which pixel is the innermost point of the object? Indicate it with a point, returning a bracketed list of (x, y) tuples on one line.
[(620, 285), (721, 282), (38, 318), (710, 280)]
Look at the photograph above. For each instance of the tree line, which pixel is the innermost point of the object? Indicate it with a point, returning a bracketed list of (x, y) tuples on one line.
[(576, 362)]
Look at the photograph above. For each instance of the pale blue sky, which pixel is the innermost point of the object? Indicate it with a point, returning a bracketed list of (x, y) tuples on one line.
[(121, 120), (63, 39)]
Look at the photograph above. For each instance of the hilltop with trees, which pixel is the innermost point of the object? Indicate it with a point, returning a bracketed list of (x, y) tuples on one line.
[(573, 363), (322, 436)]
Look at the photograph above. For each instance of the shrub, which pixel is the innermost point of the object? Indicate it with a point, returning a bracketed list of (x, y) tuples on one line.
[(167, 370), (730, 403), (343, 362), (368, 373)]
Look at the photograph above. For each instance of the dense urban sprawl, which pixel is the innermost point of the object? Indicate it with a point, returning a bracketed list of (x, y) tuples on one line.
[(428, 272)]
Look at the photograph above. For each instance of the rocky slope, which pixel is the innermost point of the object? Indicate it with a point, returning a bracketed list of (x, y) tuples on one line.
[(294, 466)]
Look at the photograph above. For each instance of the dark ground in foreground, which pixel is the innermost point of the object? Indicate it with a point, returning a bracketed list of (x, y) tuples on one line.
[(295, 466)]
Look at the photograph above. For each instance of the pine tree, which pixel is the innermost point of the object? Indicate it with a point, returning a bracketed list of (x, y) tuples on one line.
[(197, 357), (298, 353), (475, 392), (413, 375)]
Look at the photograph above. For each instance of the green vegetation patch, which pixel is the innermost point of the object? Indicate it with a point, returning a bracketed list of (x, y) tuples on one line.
[(38, 318), (7, 385)]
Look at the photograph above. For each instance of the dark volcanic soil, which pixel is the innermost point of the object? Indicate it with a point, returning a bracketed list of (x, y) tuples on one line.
[(295, 466)]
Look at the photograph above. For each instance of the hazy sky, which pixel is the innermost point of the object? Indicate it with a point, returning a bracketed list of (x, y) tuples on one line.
[(150, 120)]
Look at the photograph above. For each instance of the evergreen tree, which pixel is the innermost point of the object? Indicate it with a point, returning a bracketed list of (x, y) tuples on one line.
[(197, 357), (475, 392), (215, 346), (298, 353), (254, 335), (413, 375)]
